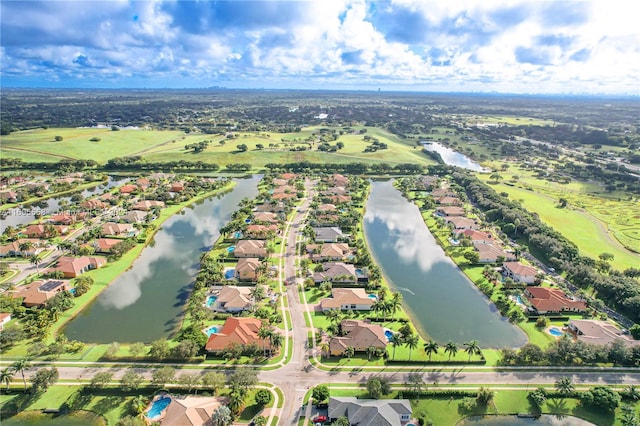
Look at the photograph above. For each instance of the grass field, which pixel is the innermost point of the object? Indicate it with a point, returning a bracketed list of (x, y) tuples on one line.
[(595, 222), (40, 145)]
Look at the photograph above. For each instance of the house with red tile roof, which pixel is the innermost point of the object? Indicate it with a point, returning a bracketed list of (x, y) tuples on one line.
[(359, 335), (550, 300), (9, 196), (339, 199), (242, 331), (261, 232), (112, 228), (176, 187), (105, 245), (12, 248), (143, 183), (288, 176), (283, 196), (39, 292), (41, 231), (327, 208), (519, 273), (72, 267), (63, 219), (94, 204), (128, 189), (4, 318), (448, 201), (476, 237)]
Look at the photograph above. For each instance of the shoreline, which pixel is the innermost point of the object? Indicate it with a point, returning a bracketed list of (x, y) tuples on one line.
[(169, 212)]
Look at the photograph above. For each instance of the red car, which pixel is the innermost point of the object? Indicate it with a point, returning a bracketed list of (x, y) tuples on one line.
[(320, 419)]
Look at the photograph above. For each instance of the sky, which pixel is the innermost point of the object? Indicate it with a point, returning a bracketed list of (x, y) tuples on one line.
[(508, 46)]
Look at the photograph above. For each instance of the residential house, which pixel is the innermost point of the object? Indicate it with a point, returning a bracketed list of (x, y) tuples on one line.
[(285, 189), (329, 251), (143, 183), (271, 207), (146, 205), (266, 217), (448, 201), (128, 189), (39, 292), (161, 176), (476, 237), (370, 412), (283, 196), (359, 335), (105, 245), (459, 222), (279, 182), (442, 192), (247, 269), (324, 220), (336, 272), (232, 299), (288, 176), (9, 196), (12, 248), (355, 299), (450, 211), (327, 208), (62, 219), (93, 204), (135, 216), (600, 333), (519, 273), (328, 234), (241, 331), (335, 190), (250, 248), (339, 180), (176, 187), (261, 232), (192, 410), (339, 199), (5, 317), (426, 183), (42, 231), (72, 267), (119, 229), (550, 300), (490, 253)]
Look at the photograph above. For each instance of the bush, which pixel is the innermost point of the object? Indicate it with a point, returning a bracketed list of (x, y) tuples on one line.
[(95, 139)]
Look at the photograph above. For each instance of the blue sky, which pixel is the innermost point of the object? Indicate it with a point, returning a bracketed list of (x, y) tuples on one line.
[(512, 46)]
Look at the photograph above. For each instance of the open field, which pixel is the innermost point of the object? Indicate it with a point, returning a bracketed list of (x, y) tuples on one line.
[(39, 145), (595, 222)]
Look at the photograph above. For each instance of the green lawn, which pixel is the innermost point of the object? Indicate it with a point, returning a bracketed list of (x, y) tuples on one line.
[(595, 223)]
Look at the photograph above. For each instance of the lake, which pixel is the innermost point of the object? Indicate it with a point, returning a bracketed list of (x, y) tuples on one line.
[(21, 216), (147, 301), (453, 158), (443, 302)]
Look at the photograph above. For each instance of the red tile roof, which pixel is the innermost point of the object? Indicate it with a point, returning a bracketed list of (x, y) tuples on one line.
[(552, 300), (241, 331)]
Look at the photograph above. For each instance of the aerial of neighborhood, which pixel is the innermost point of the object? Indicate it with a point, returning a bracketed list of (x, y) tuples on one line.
[(353, 244)]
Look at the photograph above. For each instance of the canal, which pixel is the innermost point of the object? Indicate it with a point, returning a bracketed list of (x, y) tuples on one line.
[(147, 301), (444, 304)]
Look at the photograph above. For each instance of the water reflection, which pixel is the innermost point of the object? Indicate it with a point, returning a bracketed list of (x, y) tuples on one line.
[(147, 302), (453, 158), (443, 302)]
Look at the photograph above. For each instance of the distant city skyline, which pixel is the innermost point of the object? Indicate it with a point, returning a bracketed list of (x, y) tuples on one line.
[(528, 47)]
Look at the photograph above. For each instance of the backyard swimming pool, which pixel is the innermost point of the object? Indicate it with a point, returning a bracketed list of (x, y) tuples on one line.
[(229, 273), (212, 330), (555, 331), (211, 300), (388, 333), (158, 406)]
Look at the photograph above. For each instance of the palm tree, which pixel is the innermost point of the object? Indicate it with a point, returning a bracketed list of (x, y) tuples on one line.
[(472, 348), (382, 293), (349, 351), (565, 386), (139, 403), (257, 293), (395, 340), (35, 259), (371, 350), (430, 348), (25, 247), (276, 339), (412, 342), (396, 301), (5, 376), (324, 348), (451, 348), (20, 366), (377, 307), (264, 333)]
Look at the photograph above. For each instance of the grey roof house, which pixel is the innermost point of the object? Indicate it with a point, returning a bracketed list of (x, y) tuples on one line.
[(371, 412)]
